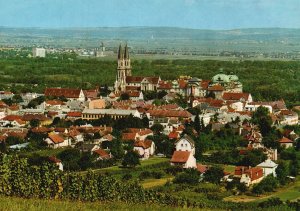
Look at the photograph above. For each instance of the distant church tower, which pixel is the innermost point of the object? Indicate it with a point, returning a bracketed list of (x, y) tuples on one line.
[(123, 70)]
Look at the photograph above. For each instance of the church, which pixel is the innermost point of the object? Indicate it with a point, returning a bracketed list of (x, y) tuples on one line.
[(125, 82)]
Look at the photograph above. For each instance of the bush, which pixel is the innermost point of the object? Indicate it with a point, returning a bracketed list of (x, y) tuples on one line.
[(157, 174), (145, 175), (189, 176), (272, 202), (268, 184), (127, 177), (173, 170)]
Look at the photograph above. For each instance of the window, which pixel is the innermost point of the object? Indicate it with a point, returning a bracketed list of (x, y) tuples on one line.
[(181, 145)]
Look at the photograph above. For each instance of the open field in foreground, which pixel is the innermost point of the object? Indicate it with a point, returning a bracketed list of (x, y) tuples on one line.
[(290, 192), (19, 204)]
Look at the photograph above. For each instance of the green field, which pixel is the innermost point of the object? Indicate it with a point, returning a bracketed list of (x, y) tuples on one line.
[(290, 192), (19, 204)]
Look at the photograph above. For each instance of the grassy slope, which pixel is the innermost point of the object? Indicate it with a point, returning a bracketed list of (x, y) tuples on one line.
[(289, 192), (16, 204)]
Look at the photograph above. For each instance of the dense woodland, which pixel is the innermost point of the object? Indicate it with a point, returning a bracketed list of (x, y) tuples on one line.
[(266, 80)]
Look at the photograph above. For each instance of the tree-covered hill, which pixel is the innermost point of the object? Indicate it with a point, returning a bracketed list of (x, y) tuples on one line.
[(266, 80)]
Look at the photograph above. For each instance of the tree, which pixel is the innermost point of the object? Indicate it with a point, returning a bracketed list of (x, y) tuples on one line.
[(34, 123), (116, 149), (214, 174), (197, 123), (157, 128), (131, 159), (124, 96), (189, 176), (268, 184), (262, 118), (253, 158), (282, 171)]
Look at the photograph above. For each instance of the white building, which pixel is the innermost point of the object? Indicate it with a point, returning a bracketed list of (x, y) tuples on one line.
[(39, 52), (269, 167), (186, 143)]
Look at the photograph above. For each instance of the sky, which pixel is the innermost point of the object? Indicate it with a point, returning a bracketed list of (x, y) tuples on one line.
[(198, 14)]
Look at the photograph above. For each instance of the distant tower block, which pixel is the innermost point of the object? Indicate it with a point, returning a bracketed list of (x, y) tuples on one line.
[(39, 52), (102, 49)]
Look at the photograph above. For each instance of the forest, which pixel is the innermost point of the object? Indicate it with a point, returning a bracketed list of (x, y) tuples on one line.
[(265, 80)]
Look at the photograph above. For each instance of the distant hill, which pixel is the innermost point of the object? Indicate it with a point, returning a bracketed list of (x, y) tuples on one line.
[(149, 38)]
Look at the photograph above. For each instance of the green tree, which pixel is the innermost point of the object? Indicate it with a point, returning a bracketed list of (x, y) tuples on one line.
[(157, 128), (124, 96), (214, 174), (116, 149), (34, 123), (197, 123), (282, 171), (262, 118), (131, 159)]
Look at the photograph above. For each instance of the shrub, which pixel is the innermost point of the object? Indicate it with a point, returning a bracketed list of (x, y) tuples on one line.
[(173, 170), (127, 177), (189, 176), (271, 202)]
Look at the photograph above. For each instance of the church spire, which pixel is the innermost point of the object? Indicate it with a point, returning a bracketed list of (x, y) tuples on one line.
[(126, 53), (120, 52)]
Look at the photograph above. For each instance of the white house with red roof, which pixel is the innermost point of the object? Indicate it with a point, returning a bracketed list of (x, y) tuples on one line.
[(184, 159), (185, 143), (285, 142), (144, 148), (57, 140)]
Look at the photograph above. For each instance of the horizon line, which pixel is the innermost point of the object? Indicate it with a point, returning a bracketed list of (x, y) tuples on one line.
[(175, 27)]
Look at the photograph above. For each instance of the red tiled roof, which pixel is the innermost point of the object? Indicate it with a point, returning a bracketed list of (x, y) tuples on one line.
[(216, 87), (14, 107), (202, 168), (182, 84), (180, 156), (102, 153), (169, 113), (54, 102), (74, 114), (235, 96), (144, 144), (55, 138), (65, 92), (90, 93), (205, 83), (285, 140), (40, 130), (128, 136), (29, 117), (54, 159), (12, 117), (173, 135)]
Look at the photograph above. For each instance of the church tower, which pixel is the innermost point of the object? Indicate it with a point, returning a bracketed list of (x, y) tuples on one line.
[(123, 69)]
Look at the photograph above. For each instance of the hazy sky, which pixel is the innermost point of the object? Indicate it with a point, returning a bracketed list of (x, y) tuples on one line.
[(203, 14)]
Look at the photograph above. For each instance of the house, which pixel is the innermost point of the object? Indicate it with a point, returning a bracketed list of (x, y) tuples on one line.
[(90, 114), (144, 148), (97, 104), (285, 142), (287, 117), (269, 167), (57, 162), (56, 140), (184, 159), (249, 175), (237, 97), (102, 154), (70, 94), (186, 143)]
